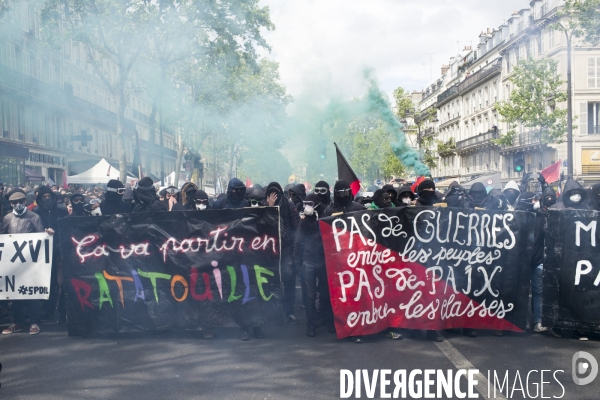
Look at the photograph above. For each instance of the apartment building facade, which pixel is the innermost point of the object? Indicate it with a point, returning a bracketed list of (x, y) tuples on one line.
[(50, 99), (479, 77)]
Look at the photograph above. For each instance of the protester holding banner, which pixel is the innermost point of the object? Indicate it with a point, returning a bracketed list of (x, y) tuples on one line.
[(113, 199), (381, 199), (50, 211), (478, 196), (236, 191), (427, 196), (288, 224), (572, 198), (21, 220), (145, 197), (511, 192), (405, 196), (342, 200), (308, 253), (187, 193), (391, 190)]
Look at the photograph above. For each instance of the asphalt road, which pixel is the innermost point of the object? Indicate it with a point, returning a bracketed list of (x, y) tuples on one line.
[(285, 365)]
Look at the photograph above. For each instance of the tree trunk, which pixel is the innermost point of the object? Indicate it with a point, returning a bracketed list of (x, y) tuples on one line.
[(231, 160), (121, 134), (179, 155)]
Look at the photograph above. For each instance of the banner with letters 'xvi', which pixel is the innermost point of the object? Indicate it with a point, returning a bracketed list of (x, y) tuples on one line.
[(25, 266), (428, 268), (157, 271)]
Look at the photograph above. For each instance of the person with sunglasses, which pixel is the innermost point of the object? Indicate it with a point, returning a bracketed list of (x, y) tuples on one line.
[(22, 220), (256, 197), (322, 190), (310, 256), (297, 194), (76, 207), (236, 191), (342, 200), (113, 199)]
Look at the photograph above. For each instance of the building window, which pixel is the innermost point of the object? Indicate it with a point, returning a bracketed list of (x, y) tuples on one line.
[(550, 38), (593, 73)]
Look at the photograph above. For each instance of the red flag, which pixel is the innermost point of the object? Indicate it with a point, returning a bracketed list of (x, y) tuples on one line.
[(552, 173), (65, 184), (248, 182), (416, 184), (345, 173)]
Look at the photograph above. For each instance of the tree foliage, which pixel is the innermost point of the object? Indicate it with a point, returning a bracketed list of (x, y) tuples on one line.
[(533, 103), (584, 19)]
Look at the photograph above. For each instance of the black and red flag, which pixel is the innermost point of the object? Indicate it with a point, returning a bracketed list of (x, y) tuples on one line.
[(428, 268), (345, 172), (137, 158)]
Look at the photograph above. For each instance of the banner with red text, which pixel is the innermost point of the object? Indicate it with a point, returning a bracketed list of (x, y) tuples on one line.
[(428, 268), (158, 271)]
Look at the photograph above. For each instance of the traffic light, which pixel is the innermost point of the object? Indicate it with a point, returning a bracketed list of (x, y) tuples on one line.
[(322, 150), (519, 162)]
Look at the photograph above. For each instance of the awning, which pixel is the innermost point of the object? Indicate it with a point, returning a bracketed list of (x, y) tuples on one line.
[(490, 181), (33, 176)]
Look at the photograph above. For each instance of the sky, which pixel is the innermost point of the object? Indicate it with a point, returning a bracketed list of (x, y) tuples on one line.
[(323, 46)]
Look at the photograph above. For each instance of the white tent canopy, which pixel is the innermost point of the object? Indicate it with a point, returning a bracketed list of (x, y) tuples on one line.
[(99, 173)]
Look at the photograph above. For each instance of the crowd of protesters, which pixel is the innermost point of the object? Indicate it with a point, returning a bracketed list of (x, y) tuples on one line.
[(38, 209)]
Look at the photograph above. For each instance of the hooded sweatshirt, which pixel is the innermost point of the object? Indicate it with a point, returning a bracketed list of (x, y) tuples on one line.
[(233, 201), (548, 197), (571, 187), (342, 204), (146, 200), (186, 195), (325, 198), (308, 246), (479, 195), (402, 192), (393, 193), (300, 193), (113, 201), (377, 199), (512, 198), (288, 216), (50, 211)]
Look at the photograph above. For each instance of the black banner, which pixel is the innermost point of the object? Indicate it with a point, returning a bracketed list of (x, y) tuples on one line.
[(157, 271), (571, 292), (428, 268)]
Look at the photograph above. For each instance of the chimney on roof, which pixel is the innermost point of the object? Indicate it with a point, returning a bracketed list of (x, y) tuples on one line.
[(445, 69)]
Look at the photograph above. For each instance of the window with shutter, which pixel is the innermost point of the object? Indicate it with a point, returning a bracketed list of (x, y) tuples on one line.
[(592, 72), (583, 129)]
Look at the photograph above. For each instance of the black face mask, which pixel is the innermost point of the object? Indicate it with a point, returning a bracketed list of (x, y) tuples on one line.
[(479, 198), (236, 197), (511, 195), (78, 208), (428, 197), (190, 195), (47, 203), (549, 201)]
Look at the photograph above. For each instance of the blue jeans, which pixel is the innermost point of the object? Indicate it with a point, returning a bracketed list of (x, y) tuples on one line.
[(536, 292)]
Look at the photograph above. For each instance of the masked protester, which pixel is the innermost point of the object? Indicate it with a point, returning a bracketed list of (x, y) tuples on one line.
[(22, 220), (322, 190), (236, 191), (342, 200), (381, 199), (297, 194), (50, 211), (187, 193), (288, 224), (145, 197), (405, 196), (256, 197), (457, 196), (548, 198), (113, 199), (572, 198), (497, 201), (427, 195), (309, 253), (393, 194), (595, 197), (478, 196), (201, 201), (77, 206), (511, 192)]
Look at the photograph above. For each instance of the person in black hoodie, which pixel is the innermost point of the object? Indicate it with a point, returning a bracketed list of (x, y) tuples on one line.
[(113, 199), (478, 196), (309, 253), (393, 194), (342, 200), (288, 224), (405, 196), (236, 191), (297, 195), (188, 191), (427, 195), (548, 198), (322, 190), (50, 211), (145, 197), (77, 206), (573, 197), (256, 197)]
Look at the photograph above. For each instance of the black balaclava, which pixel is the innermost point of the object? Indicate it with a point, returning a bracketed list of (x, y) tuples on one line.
[(145, 193), (324, 198), (595, 197), (378, 198), (572, 187), (392, 191), (236, 199), (427, 197), (344, 201), (524, 203), (111, 196), (48, 203), (478, 194), (548, 197), (78, 208), (497, 200), (300, 195), (256, 196), (200, 195)]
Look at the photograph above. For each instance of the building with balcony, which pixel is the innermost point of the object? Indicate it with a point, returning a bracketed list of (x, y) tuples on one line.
[(50, 98), (478, 78)]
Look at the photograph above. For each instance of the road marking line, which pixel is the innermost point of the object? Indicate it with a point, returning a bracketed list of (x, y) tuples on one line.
[(460, 362)]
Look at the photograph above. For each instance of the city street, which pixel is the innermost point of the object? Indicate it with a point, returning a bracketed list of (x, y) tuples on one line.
[(284, 365)]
